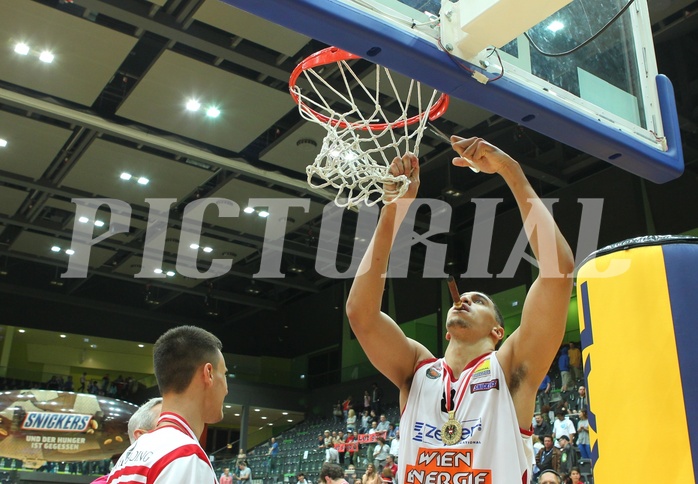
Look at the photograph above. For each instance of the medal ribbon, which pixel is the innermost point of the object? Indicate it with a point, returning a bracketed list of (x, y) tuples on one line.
[(460, 393)]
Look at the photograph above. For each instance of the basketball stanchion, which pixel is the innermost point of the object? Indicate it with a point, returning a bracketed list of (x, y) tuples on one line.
[(362, 136)]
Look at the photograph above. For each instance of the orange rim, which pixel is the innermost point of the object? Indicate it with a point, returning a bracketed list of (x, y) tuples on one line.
[(335, 54)]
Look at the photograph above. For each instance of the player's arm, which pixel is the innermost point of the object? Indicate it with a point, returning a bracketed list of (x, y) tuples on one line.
[(527, 353), (387, 347)]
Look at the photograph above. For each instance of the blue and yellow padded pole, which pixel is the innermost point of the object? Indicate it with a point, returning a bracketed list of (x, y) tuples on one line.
[(638, 307)]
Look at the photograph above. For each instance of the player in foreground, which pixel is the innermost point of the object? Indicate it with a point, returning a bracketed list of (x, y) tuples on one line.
[(191, 374), (467, 415)]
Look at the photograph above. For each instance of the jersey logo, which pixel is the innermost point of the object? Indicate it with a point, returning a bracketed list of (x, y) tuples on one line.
[(431, 434), (484, 386), (433, 373), (482, 370), (446, 466)]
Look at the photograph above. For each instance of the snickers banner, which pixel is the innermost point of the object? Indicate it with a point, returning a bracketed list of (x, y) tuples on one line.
[(45, 425), (638, 318)]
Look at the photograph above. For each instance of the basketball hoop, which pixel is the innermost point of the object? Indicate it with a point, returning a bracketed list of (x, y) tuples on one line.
[(362, 136)]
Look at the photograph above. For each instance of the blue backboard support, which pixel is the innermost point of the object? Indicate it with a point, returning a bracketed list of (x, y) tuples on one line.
[(336, 22)]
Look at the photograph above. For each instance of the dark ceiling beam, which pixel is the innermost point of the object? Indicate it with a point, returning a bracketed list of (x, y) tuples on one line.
[(55, 230), (145, 137), (61, 298), (136, 14), (58, 169), (203, 292), (290, 247)]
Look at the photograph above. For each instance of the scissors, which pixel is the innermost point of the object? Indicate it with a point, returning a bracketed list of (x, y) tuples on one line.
[(444, 137)]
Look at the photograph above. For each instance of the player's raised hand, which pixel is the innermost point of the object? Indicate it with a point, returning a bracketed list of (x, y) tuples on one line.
[(479, 155), (407, 165)]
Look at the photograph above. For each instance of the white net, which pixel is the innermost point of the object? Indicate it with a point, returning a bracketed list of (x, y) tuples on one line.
[(363, 136)]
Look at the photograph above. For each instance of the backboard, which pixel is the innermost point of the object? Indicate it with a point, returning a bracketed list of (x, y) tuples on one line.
[(605, 98)]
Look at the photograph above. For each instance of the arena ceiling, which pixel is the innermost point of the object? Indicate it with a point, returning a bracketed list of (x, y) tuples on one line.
[(112, 102)]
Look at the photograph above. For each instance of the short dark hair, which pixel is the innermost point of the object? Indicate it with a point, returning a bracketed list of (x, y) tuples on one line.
[(497, 313), (498, 317), (179, 352), (333, 471)]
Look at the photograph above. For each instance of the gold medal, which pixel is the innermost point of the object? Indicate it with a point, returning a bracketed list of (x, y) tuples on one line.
[(452, 430)]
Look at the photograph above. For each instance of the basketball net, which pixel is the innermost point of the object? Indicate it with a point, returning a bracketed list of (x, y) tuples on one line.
[(362, 136)]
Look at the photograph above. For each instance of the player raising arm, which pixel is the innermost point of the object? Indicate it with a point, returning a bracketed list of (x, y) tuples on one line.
[(480, 399)]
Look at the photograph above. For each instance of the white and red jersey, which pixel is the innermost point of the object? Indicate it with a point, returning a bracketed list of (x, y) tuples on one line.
[(492, 448), (169, 454)]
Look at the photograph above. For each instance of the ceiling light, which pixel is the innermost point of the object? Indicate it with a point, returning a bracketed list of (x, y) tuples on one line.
[(22, 330), (63, 336), (55, 248), (157, 271), (306, 143), (21, 48), (3, 143), (228, 406), (263, 213), (289, 420), (555, 25), (237, 414), (213, 112), (208, 249), (125, 176), (99, 223), (257, 410), (170, 273), (141, 345), (284, 413), (93, 346), (69, 251), (193, 105), (46, 56), (143, 181), (271, 424), (83, 220), (264, 418), (194, 246), (248, 210)]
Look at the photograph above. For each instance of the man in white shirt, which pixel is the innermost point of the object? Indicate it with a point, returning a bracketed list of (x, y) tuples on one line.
[(331, 454), (395, 444), (192, 378), (563, 426)]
